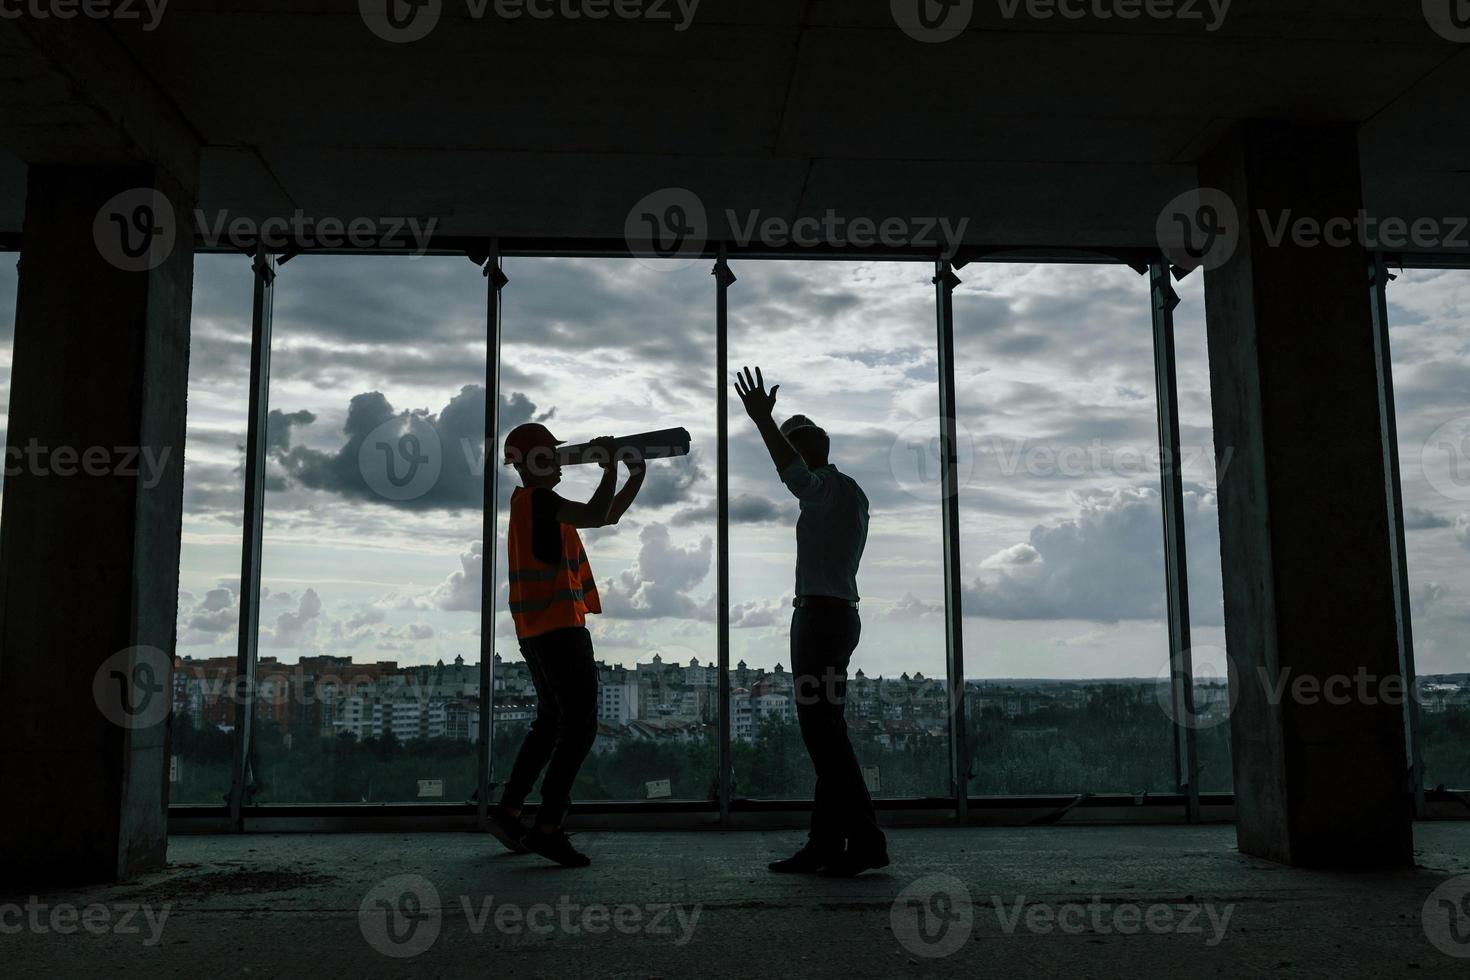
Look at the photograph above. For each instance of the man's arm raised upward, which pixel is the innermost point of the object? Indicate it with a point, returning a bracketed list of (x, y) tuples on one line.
[(759, 405)]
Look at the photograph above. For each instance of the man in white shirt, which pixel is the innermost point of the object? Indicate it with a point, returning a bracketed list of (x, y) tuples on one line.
[(825, 628)]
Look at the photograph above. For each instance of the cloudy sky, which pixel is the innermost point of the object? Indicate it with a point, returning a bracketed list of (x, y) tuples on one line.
[(1061, 526)]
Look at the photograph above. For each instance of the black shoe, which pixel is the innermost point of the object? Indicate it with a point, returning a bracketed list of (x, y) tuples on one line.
[(804, 862), (506, 828), (854, 861), (555, 846)]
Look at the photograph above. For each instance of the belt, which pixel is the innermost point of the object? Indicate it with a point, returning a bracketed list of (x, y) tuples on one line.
[(824, 601)]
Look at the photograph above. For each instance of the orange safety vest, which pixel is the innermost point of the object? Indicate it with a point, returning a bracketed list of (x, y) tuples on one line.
[(547, 597)]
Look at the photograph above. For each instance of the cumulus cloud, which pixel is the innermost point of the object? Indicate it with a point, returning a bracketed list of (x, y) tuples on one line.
[(450, 440), (1105, 565), (756, 613), (461, 590), (659, 583)]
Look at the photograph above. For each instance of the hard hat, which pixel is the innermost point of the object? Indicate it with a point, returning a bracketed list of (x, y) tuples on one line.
[(526, 439)]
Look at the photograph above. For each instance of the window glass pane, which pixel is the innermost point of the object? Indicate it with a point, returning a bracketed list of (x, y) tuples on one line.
[(1062, 536), (209, 554), (1200, 469), (368, 676), (613, 347), (1429, 331), (852, 345)]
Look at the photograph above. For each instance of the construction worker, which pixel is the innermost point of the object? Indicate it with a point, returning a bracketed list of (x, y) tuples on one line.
[(551, 594), (831, 534)]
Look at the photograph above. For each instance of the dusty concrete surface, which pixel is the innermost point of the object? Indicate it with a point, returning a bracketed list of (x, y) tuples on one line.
[(1075, 902)]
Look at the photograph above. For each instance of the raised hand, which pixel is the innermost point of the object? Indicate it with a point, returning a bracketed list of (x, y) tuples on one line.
[(752, 391)]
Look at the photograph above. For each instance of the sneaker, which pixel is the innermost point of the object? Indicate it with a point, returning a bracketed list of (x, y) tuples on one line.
[(507, 829), (555, 846), (804, 862)]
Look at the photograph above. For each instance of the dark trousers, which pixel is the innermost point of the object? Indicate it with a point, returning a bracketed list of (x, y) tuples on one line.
[(565, 726), (823, 639)]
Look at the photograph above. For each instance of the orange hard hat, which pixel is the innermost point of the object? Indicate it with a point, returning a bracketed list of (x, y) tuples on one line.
[(527, 438)]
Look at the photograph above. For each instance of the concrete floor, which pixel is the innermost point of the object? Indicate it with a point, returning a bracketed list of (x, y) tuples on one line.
[(1057, 901)]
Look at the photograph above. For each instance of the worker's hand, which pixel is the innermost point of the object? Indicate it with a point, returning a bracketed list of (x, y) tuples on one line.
[(635, 463), (603, 448), (752, 391)]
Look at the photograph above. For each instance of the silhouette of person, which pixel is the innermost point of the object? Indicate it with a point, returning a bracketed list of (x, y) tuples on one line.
[(551, 594), (825, 627)]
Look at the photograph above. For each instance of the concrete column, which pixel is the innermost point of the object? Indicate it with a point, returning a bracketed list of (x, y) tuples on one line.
[(1320, 779), (89, 538)]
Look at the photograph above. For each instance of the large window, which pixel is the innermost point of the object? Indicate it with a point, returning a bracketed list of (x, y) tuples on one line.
[(209, 554), (1429, 332), (368, 676), (612, 347), (369, 642), (1201, 465), (853, 346), (1062, 534)]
